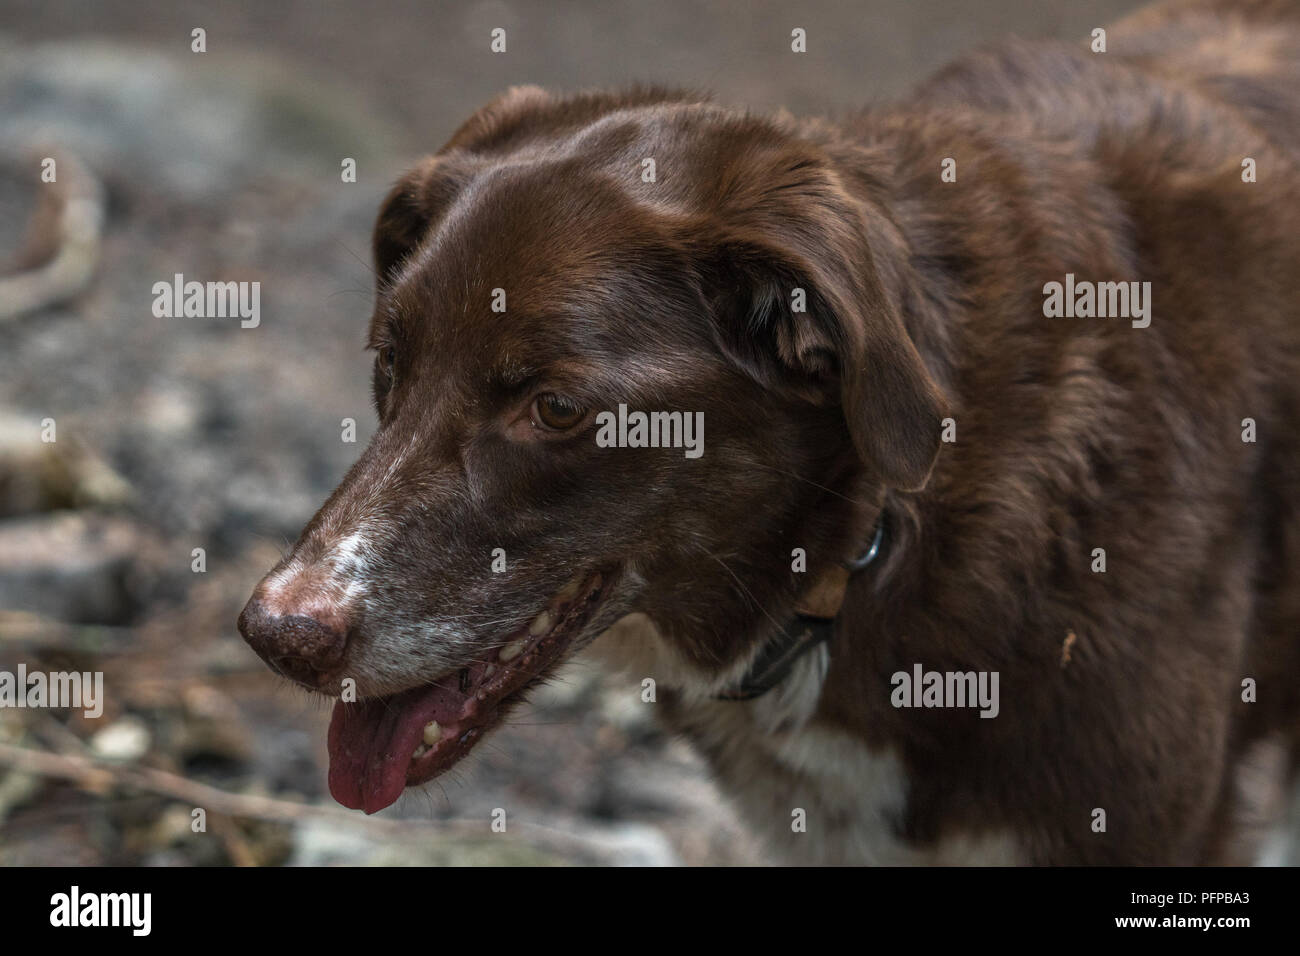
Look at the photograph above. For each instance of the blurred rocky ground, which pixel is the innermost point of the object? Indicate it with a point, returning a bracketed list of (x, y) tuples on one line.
[(177, 434)]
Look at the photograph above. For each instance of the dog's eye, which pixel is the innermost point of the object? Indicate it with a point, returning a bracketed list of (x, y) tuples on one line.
[(387, 360), (557, 412)]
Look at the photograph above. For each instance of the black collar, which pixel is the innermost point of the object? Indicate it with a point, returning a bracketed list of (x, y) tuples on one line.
[(801, 633)]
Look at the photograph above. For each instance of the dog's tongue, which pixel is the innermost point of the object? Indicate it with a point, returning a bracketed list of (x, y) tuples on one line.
[(371, 742)]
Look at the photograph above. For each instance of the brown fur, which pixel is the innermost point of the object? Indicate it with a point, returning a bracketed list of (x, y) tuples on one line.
[(925, 301)]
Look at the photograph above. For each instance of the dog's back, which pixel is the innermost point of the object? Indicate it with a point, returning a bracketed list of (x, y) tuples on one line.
[(1162, 691), (1192, 117), (1163, 71)]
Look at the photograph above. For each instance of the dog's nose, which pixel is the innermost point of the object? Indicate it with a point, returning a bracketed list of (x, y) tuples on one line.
[(304, 647)]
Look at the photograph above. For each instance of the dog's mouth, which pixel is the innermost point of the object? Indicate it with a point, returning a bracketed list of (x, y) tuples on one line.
[(382, 745)]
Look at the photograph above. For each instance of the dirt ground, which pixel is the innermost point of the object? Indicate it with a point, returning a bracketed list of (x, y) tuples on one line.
[(180, 434)]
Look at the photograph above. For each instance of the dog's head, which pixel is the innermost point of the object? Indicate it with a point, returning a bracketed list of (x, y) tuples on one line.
[(556, 260)]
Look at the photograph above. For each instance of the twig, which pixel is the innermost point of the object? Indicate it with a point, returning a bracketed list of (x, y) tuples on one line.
[(99, 776), (72, 221)]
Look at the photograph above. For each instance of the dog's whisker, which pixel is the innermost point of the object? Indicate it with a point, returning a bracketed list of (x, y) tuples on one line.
[(807, 480), (369, 268), (741, 585)]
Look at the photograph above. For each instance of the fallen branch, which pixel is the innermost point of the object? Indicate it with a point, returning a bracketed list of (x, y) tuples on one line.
[(70, 220), (99, 777)]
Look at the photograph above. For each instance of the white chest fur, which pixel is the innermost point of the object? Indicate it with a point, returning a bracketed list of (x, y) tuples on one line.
[(814, 793)]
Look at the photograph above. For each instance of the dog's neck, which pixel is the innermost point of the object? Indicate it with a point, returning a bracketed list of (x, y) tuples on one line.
[(811, 625)]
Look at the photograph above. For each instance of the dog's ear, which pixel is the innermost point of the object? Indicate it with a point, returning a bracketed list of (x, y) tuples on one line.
[(406, 215), (424, 193), (798, 303)]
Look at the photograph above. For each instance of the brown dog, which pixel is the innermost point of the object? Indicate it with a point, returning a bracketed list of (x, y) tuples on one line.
[(1001, 387)]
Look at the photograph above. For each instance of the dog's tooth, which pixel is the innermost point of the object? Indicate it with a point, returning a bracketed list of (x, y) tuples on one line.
[(512, 650), (489, 670), (420, 751), (569, 590), (432, 733), (541, 624)]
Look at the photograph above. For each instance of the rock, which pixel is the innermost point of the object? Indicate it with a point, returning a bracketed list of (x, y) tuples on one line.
[(40, 476), (185, 125), (211, 730), (632, 844), (82, 568), (324, 842), (125, 740)]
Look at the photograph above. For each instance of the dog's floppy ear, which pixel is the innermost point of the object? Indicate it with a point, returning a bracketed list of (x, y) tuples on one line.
[(407, 213), (425, 192), (801, 242)]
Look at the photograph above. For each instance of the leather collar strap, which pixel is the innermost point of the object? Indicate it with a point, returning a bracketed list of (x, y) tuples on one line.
[(813, 624)]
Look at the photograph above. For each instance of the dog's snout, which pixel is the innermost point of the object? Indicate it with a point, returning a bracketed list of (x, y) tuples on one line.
[(304, 646)]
